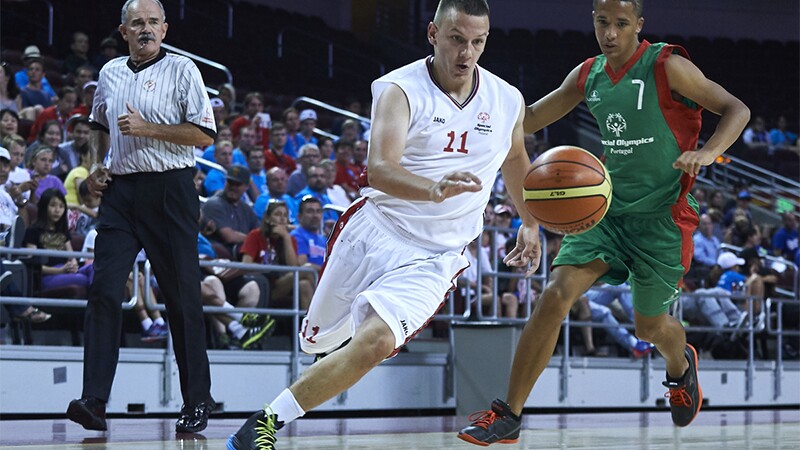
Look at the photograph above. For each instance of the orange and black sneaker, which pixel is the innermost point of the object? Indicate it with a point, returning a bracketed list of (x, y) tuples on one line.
[(685, 395), (497, 426)]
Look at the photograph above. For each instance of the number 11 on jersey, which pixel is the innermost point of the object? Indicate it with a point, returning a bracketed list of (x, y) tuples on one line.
[(452, 136)]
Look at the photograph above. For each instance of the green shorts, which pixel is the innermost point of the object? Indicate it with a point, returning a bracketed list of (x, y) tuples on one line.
[(654, 251)]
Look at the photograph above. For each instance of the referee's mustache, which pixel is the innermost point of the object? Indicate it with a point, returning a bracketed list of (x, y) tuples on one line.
[(146, 36)]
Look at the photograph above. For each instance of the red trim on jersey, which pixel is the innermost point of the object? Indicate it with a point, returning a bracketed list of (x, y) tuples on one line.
[(427, 322), (616, 76), (683, 120), (685, 217), (475, 84), (583, 74), (337, 229)]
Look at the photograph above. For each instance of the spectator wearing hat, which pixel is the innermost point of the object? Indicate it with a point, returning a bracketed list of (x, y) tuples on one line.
[(8, 205), (220, 111), (731, 278), (308, 122), (743, 199), (87, 98), (216, 178), (108, 51), (232, 217), (32, 53), (503, 214)]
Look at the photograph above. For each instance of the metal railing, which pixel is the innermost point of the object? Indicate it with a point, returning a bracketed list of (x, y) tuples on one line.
[(213, 64), (773, 308)]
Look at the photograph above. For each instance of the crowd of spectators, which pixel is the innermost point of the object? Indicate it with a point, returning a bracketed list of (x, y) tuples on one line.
[(273, 189)]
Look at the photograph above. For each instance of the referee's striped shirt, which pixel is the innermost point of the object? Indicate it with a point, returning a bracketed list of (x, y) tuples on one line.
[(167, 90)]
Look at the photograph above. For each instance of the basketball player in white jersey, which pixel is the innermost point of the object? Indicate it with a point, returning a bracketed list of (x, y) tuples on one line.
[(442, 127), (149, 111)]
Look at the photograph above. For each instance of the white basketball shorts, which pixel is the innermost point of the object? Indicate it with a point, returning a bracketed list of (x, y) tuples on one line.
[(371, 263)]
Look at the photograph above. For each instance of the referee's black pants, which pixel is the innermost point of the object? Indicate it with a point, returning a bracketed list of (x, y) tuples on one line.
[(157, 211)]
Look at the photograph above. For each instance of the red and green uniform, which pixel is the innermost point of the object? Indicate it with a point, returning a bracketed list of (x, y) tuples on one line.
[(647, 234)]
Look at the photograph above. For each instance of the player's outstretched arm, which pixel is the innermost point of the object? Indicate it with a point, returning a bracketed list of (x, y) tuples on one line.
[(388, 138), (554, 105), (515, 168), (687, 80)]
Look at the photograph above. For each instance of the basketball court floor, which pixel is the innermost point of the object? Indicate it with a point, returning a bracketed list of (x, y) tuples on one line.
[(711, 430)]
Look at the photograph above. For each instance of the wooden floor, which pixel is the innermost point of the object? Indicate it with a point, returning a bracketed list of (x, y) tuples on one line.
[(773, 429)]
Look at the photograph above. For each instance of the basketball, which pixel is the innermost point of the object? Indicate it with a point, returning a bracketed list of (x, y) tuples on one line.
[(567, 190)]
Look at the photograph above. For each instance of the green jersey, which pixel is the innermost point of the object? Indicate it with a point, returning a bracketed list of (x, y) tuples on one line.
[(644, 128)]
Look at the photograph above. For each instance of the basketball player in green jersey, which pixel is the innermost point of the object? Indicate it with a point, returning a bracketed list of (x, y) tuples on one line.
[(647, 100)]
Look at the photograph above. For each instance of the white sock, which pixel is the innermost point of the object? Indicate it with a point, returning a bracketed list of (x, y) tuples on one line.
[(147, 323), (235, 316), (285, 406), (160, 321), (236, 329)]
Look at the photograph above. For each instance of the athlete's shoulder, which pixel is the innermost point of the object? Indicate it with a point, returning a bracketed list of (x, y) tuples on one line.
[(488, 78), (416, 68)]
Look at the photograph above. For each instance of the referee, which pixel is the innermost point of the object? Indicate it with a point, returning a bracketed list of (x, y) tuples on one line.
[(150, 109)]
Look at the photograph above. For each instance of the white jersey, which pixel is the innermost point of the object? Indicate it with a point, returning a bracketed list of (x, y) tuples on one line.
[(168, 90), (445, 136)]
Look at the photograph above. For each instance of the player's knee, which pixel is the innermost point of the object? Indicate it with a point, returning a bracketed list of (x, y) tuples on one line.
[(377, 345), (556, 295)]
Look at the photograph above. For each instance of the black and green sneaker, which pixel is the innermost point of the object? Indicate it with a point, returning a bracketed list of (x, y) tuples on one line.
[(258, 433), (499, 425), (685, 395), (255, 334)]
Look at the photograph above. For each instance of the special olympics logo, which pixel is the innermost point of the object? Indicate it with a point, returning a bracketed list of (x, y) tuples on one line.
[(483, 116), (149, 85), (616, 123)]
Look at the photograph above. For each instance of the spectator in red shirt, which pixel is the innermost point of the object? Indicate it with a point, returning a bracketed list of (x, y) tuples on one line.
[(67, 99), (274, 156), (346, 173)]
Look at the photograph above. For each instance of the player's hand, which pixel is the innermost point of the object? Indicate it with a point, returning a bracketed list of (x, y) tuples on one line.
[(527, 251), (692, 162), (453, 184), (98, 181), (132, 124)]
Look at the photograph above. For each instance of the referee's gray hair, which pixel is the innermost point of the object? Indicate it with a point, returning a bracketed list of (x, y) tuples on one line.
[(124, 14)]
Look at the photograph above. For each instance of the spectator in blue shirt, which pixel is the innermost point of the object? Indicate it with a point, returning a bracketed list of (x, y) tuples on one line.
[(730, 280), (277, 183), (317, 188), (706, 245), (215, 180), (311, 244), (785, 241), (780, 137)]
